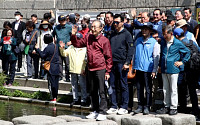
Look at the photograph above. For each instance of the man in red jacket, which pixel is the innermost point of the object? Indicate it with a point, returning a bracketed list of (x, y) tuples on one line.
[(99, 66)]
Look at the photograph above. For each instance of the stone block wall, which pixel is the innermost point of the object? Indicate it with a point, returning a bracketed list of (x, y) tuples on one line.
[(39, 7)]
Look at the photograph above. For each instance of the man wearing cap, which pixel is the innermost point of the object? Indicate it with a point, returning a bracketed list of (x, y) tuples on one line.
[(122, 51), (184, 25), (18, 27), (171, 20), (171, 60), (188, 78), (145, 62), (188, 16), (62, 32)]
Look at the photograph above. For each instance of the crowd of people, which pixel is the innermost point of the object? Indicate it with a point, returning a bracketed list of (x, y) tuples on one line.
[(98, 55)]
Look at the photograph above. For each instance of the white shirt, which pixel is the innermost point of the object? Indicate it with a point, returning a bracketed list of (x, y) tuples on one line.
[(17, 25)]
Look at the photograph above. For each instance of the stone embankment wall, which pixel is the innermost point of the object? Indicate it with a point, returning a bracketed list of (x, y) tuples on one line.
[(39, 7)]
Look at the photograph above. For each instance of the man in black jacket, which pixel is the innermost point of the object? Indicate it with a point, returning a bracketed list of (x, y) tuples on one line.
[(122, 51), (18, 27), (192, 23)]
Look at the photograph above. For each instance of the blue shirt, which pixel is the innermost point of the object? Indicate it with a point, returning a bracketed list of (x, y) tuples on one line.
[(107, 28), (158, 26), (62, 33)]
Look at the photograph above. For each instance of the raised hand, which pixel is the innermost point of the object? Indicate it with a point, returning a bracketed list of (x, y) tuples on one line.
[(74, 29)]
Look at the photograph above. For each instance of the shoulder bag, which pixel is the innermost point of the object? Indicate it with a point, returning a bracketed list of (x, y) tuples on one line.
[(46, 64), (26, 49)]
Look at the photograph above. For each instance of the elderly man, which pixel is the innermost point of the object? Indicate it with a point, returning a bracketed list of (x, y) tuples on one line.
[(99, 65), (171, 60), (184, 25)]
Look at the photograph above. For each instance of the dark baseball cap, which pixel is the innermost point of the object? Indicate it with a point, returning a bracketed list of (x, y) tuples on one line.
[(61, 18), (17, 13), (148, 25), (171, 17)]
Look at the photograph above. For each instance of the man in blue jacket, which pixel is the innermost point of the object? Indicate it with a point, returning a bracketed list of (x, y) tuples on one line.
[(188, 78), (122, 51), (171, 60), (145, 62)]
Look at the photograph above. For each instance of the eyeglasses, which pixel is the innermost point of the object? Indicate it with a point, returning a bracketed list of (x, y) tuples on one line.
[(116, 22), (94, 27), (155, 37)]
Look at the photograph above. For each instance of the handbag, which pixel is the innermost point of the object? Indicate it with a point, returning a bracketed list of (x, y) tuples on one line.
[(131, 75), (46, 64), (17, 50), (26, 49)]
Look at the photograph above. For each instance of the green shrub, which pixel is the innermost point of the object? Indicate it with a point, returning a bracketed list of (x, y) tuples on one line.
[(17, 93), (41, 95), (3, 78)]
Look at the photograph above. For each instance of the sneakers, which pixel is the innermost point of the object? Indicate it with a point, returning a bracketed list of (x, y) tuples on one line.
[(101, 117), (4, 84), (164, 110), (9, 84), (92, 115), (122, 111), (173, 112), (138, 110), (146, 111), (112, 111), (53, 100)]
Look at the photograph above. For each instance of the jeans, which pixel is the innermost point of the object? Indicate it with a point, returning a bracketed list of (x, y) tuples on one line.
[(9, 64), (35, 59), (143, 79), (170, 90), (66, 61), (82, 81), (119, 84)]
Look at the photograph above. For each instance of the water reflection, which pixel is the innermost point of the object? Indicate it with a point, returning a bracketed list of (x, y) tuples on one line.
[(11, 109)]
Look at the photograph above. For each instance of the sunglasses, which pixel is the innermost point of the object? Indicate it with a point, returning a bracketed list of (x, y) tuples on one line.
[(116, 22), (156, 14), (155, 37)]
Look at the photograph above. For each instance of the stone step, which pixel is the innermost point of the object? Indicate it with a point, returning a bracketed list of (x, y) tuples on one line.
[(39, 83), (61, 93)]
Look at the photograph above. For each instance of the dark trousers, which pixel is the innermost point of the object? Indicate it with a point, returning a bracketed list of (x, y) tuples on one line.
[(131, 89), (143, 79), (9, 65), (97, 89), (66, 61), (19, 60), (188, 79), (119, 84), (53, 81)]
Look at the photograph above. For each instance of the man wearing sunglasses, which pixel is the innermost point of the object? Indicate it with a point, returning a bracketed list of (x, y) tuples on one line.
[(122, 50)]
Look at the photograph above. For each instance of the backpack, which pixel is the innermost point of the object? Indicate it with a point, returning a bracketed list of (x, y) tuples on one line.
[(194, 61)]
